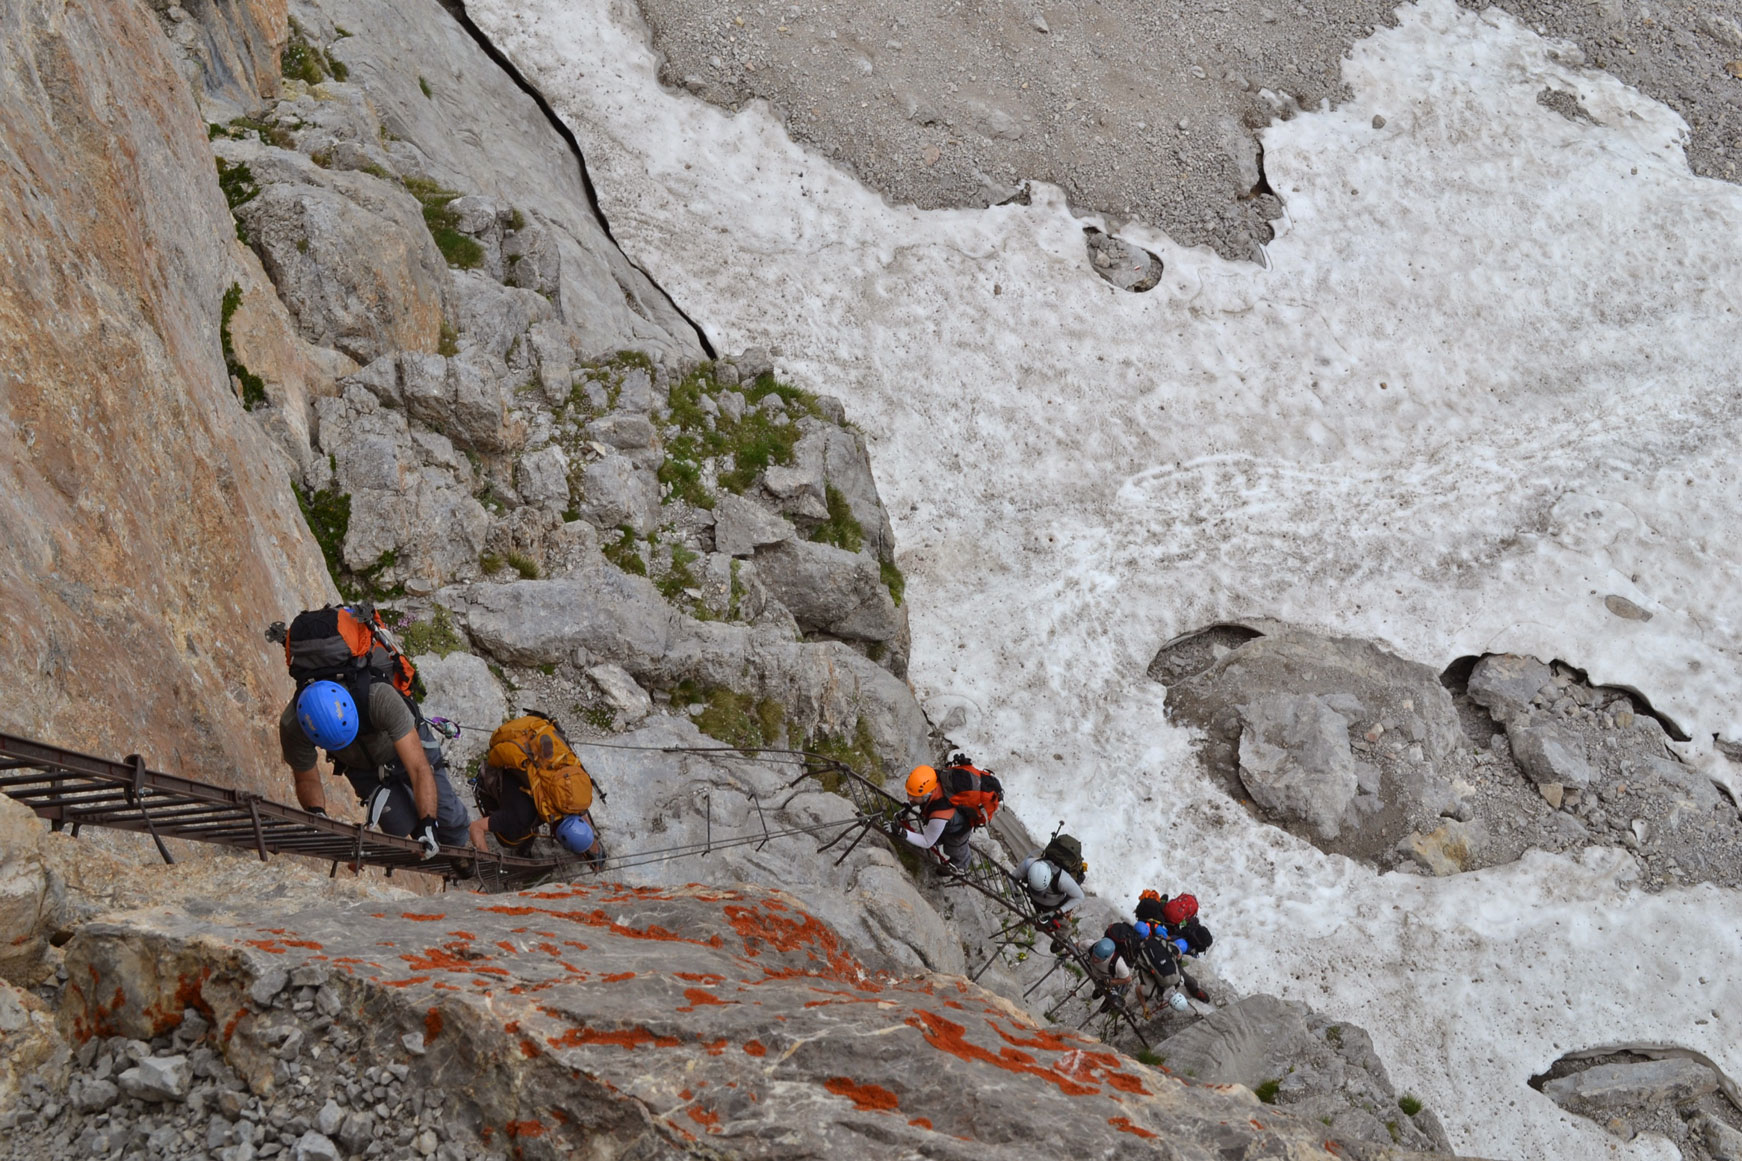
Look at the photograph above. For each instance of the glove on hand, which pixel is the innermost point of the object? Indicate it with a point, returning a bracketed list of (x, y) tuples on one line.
[(426, 835)]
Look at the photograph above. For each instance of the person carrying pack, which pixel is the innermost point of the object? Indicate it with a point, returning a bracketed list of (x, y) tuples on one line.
[(1175, 921), (530, 776), (951, 803), (353, 700), (1109, 969)]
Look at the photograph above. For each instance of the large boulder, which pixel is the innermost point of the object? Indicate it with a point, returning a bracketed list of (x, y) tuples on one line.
[(461, 688), (830, 590), (741, 526), (1354, 746), (412, 517), (1295, 760), (1609, 1089), (670, 1020), (613, 492), (609, 616), (349, 252)]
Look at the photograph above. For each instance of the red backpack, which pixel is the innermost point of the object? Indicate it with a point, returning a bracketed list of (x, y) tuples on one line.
[(975, 792)]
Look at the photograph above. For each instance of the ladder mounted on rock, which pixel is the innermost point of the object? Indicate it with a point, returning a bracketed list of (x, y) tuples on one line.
[(67, 787)]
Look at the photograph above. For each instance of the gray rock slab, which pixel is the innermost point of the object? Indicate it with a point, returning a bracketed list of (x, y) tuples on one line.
[(613, 492), (1550, 753), (461, 687), (1631, 1085), (542, 477), (1295, 760), (1504, 683), (622, 692), (741, 526), (158, 1078), (829, 589)]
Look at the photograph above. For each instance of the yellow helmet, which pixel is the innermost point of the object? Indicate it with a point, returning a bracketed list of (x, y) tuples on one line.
[(922, 783)]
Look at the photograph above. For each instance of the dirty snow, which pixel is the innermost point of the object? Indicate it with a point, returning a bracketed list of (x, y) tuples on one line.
[(1487, 378)]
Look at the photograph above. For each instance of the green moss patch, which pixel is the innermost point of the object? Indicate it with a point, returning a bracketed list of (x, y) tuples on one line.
[(459, 250), (621, 552), (253, 386), (328, 516), (304, 61), (892, 580), (436, 635), (840, 529), (734, 718)]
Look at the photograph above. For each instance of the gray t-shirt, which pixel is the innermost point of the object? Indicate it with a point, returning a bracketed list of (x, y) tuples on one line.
[(388, 713)]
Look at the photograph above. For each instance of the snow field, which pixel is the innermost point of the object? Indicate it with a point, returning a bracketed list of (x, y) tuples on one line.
[(1487, 378)]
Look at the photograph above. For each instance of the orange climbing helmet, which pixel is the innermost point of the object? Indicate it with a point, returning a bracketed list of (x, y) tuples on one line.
[(922, 783)]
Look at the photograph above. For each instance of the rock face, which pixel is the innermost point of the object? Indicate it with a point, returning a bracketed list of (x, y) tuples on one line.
[(150, 528), (663, 1022), (1353, 745), (1312, 1067), (1381, 759), (1671, 1094)]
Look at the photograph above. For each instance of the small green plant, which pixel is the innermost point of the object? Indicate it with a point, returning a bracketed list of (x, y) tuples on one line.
[(237, 183), (1266, 1092), (681, 473), (1396, 1133), (1409, 1104), (448, 341), (516, 221), (436, 635), (367, 582), (731, 717), (621, 552), (328, 516), (424, 85), (1145, 1056), (1335, 1034), (459, 250), (859, 753), (678, 577), (490, 563), (303, 61), (736, 593), (892, 580), (601, 717), (253, 387), (840, 529), (524, 565)]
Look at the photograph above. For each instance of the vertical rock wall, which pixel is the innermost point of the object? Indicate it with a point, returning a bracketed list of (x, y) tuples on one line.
[(147, 531)]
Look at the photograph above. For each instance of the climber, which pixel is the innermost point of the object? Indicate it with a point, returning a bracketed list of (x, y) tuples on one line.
[(1108, 968), (353, 700), (1053, 891), (394, 763), (1176, 925), (950, 804), (943, 828), (530, 776)]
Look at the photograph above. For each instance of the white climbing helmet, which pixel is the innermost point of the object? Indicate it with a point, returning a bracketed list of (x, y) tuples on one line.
[(1178, 1002), (1040, 876)]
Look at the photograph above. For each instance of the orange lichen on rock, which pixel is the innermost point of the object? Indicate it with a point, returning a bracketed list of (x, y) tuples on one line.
[(618, 977), (421, 918), (921, 1122), (805, 933), (699, 998), (865, 1097), (623, 1038), (531, 1130), (755, 1048), (1124, 1125), (948, 1036), (432, 1025)]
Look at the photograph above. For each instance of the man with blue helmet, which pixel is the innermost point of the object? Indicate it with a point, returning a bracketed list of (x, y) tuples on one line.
[(386, 752)]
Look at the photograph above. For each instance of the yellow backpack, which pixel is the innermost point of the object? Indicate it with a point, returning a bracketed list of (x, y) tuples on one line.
[(532, 747)]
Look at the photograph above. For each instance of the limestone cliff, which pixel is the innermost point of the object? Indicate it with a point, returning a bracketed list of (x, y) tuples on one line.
[(148, 529)]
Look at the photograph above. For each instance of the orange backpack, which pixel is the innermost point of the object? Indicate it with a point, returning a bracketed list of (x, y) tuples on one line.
[(536, 751), (339, 643), (975, 792)]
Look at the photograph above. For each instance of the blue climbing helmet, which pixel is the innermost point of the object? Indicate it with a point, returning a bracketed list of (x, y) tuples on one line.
[(327, 714), (1103, 949), (575, 833), (1142, 929)]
